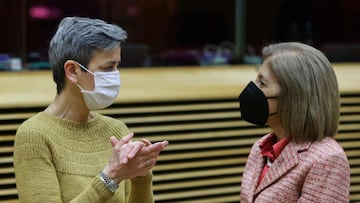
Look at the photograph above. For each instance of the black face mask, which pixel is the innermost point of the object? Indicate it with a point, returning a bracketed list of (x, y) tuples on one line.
[(254, 105)]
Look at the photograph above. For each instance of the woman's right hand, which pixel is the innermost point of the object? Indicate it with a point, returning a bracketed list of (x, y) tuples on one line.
[(124, 149), (132, 159)]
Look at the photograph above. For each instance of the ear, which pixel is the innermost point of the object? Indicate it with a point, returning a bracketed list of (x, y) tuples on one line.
[(71, 70)]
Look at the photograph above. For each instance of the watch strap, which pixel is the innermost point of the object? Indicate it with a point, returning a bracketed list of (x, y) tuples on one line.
[(109, 183)]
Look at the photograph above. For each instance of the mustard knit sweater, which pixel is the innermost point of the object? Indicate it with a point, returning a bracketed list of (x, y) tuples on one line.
[(59, 160)]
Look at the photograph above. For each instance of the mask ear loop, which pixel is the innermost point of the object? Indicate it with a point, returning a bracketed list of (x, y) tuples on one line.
[(87, 70), (275, 97), (272, 114), (83, 67)]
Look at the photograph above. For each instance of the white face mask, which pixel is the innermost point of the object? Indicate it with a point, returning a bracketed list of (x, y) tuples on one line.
[(107, 86)]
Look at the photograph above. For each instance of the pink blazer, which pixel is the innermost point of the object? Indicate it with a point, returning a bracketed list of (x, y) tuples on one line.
[(309, 172)]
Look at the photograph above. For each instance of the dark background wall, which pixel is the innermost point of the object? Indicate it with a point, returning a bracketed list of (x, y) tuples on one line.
[(164, 25)]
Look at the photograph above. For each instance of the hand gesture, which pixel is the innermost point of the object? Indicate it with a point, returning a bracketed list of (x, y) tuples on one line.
[(131, 159)]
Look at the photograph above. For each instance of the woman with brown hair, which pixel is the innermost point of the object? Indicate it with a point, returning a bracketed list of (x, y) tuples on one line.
[(296, 93)]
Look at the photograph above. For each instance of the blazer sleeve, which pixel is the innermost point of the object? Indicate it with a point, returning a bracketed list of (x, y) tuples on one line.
[(328, 180)]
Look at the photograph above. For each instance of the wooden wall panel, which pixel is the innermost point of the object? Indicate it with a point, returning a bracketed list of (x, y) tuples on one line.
[(209, 141)]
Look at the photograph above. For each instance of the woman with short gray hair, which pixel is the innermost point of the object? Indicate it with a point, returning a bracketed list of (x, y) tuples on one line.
[(71, 153)]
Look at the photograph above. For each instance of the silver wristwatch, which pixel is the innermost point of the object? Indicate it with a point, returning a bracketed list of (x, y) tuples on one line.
[(109, 183)]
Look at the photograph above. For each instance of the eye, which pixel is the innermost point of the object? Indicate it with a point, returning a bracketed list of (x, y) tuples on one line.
[(260, 81), (262, 84), (110, 68)]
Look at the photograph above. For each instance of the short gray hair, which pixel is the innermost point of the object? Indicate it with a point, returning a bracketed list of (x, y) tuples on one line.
[(77, 38), (309, 101)]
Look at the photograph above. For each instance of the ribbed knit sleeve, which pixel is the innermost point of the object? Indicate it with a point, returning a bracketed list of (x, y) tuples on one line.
[(36, 178), (58, 160), (141, 190)]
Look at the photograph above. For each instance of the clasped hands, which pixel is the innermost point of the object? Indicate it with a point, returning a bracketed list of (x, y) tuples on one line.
[(131, 159)]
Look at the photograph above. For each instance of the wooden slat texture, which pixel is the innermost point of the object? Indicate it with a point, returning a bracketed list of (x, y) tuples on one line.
[(195, 109)]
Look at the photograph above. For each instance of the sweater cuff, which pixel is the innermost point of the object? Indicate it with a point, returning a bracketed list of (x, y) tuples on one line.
[(101, 188), (141, 180)]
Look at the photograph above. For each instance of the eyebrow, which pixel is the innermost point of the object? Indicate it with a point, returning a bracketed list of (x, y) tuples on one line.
[(110, 63)]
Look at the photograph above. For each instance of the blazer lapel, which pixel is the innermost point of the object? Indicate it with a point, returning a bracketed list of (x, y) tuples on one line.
[(287, 159), (255, 170)]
